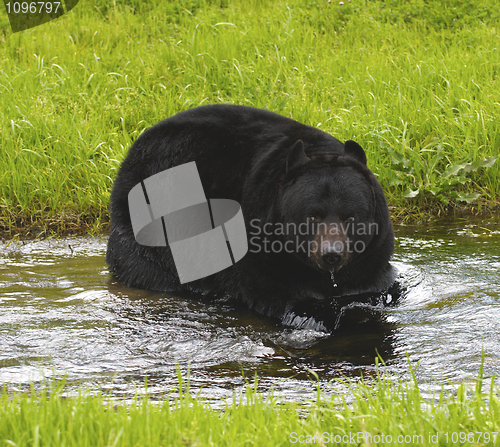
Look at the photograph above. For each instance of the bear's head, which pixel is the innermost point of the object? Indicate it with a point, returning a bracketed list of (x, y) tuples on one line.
[(333, 207)]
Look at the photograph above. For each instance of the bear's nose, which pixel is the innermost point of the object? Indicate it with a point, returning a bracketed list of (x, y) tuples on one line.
[(331, 254)]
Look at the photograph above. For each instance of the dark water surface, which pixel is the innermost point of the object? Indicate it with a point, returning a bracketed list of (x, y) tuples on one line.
[(61, 313)]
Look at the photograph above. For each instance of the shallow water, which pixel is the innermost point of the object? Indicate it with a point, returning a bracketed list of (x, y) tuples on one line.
[(61, 313)]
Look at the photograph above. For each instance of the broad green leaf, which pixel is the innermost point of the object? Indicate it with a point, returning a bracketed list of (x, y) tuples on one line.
[(434, 190), (490, 161), (398, 159), (395, 182), (453, 181), (486, 163), (443, 199), (409, 194), (465, 197), (452, 170)]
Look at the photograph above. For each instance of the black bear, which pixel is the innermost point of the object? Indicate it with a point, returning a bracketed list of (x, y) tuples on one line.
[(316, 218)]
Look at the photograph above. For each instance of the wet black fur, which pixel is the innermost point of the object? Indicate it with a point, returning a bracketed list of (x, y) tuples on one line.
[(254, 157)]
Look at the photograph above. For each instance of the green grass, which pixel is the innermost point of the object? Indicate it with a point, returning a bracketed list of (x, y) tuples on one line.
[(416, 83), (372, 412)]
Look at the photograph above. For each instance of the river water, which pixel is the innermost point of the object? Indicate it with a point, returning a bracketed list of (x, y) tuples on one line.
[(63, 315)]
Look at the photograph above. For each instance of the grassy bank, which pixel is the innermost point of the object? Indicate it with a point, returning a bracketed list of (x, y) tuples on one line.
[(416, 84), (383, 412)]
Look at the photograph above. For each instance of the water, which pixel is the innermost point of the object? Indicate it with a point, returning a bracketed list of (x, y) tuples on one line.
[(333, 279), (61, 313)]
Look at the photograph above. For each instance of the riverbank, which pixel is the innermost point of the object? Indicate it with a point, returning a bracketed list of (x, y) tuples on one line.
[(381, 411), (34, 227), (418, 89)]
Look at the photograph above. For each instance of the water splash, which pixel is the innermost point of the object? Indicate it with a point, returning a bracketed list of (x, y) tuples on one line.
[(333, 279)]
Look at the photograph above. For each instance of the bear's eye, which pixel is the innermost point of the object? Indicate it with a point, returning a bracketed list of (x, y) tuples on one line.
[(313, 219), (350, 219)]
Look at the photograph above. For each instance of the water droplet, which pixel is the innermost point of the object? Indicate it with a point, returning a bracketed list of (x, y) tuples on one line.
[(333, 279)]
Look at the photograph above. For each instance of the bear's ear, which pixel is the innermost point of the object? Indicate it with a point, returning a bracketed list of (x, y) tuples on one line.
[(297, 156), (354, 150)]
